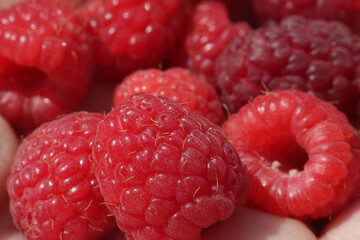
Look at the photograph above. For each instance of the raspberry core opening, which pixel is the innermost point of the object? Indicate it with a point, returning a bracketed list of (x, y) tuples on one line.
[(285, 154), (26, 80)]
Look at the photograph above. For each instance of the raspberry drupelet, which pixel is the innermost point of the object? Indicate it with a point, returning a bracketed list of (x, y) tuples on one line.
[(300, 153), (212, 31), (52, 187), (314, 56), (192, 92), (44, 62), (346, 11), (165, 173), (131, 35)]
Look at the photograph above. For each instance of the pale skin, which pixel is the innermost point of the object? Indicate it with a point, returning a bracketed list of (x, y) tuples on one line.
[(344, 226), (245, 223), (248, 223), (8, 3)]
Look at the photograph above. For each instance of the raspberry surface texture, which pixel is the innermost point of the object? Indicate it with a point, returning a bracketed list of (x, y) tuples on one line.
[(212, 32), (130, 35), (313, 56), (53, 190), (346, 11), (45, 60), (165, 173), (299, 152), (179, 84)]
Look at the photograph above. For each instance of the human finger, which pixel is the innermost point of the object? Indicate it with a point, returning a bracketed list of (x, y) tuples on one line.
[(249, 224), (345, 225), (9, 143)]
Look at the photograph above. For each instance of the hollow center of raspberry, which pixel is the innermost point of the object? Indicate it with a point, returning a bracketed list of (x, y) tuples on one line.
[(286, 155), (26, 80)]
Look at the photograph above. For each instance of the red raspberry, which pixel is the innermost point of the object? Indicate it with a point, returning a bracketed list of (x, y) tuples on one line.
[(227, 2), (44, 62), (165, 173), (182, 86), (318, 57), (53, 190), (242, 11), (212, 32), (133, 34), (299, 152), (346, 11)]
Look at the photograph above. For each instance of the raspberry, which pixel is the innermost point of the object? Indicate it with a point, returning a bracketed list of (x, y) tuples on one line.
[(227, 2), (345, 11), (182, 86), (165, 173), (212, 32), (53, 190), (133, 34), (313, 56), (45, 61), (299, 152)]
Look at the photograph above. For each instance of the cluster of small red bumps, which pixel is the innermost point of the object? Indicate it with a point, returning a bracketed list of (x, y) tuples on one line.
[(255, 113)]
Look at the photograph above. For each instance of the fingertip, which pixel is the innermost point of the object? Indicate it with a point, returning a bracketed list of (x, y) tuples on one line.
[(8, 137), (8, 3), (254, 224), (345, 225), (9, 143), (12, 235)]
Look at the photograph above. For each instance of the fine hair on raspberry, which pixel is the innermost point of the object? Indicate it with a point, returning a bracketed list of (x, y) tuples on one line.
[(299, 152), (192, 92), (165, 173), (52, 187)]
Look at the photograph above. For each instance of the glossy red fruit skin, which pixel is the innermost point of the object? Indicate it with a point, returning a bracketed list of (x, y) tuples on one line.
[(192, 92), (212, 31), (45, 60), (52, 187), (314, 56), (165, 173), (345, 11), (299, 152), (131, 35)]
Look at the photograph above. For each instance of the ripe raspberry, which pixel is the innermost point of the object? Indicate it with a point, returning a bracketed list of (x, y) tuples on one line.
[(44, 62), (165, 173), (242, 11), (133, 34), (347, 11), (314, 56), (180, 85), (301, 155), (53, 190), (227, 2), (212, 32)]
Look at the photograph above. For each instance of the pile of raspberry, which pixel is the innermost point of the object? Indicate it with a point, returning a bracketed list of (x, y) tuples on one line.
[(159, 118)]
